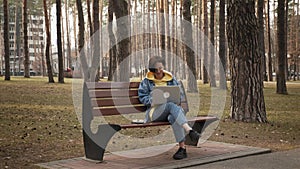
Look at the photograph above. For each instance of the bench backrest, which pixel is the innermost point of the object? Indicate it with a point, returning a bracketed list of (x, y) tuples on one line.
[(115, 98)]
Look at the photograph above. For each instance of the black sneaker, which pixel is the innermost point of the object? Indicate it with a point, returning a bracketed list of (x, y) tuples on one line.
[(180, 154), (194, 135)]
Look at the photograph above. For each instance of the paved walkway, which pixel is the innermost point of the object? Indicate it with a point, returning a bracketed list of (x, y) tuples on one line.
[(278, 160), (208, 152)]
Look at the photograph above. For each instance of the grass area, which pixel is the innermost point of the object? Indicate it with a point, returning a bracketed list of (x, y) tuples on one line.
[(38, 122), (282, 130)]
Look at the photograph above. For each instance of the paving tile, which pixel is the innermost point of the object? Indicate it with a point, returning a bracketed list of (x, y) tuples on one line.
[(208, 152)]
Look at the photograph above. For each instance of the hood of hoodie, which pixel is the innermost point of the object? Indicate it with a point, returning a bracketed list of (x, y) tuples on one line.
[(167, 77)]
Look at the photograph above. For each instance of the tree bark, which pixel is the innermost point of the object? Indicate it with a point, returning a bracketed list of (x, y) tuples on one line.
[(75, 30), (281, 55), (200, 40), (247, 97), (270, 67), (167, 33), (188, 40), (6, 40), (260, 14), (96, 42), (69, 56), (112, 43), (101, 39), (17, 37), (211, 47), (89, 17), (121, 10), (205, 43), (59, 43), (286, 16), (84, 65), (25, 31), (173, 30), (48, 43), (222, 47), (297, 45)]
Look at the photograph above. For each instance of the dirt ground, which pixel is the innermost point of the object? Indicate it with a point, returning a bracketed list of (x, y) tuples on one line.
[(39, 124)]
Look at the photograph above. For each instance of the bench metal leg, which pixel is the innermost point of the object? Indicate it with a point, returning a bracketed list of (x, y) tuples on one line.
[(199, 127), (95, 144)]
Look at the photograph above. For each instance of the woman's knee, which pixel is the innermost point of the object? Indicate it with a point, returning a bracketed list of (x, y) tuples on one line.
[(172, 105), (171, 119)]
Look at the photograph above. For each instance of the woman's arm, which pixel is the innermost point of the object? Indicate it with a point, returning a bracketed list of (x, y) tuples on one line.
[(144, 93), (176, 83)]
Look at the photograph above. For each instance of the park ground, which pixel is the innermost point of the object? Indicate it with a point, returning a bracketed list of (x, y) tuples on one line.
[(38, 122)]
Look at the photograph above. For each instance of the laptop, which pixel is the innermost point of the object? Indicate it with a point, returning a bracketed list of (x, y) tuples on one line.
[(164, 94)]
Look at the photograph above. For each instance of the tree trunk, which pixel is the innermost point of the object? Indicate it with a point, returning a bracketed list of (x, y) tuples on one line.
[(101, 40), (286, 16), (48, 43), (89, 17), (181, 44), (145, 41), (270, 69), (112, 43), (62, 30), (167, 33), (205, 45), (96, 43), (121, 10), (17, 37), (247, 97), (172, 40), (59, 43), (69, 56), (84, 65), (297, 44), (25, 31), (162, 37), (275, 37), (281, 55), (75, 30), (135, 25), (149, 34), (6, 40), (188, 40), (222, 47), (211, 47), (200, 39), (260, 14)]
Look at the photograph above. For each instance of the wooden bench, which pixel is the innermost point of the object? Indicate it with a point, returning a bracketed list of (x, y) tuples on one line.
[(118, 98)]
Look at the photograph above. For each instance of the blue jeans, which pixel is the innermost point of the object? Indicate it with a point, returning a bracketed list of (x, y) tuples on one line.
[(175, 115)]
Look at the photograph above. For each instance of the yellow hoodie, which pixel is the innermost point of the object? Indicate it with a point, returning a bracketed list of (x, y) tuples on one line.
[(162, 82)]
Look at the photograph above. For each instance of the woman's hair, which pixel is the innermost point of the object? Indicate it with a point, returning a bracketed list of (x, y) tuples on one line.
[(156, 59)]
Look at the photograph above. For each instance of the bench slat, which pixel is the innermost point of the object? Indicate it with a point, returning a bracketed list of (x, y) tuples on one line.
[(99, 111), (112, 93), (118, 110), (122, 102), (194, 119), (112, 85), (115, 102), (115, 98)]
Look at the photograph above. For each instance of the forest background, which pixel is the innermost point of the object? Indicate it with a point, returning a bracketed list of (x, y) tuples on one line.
[(25, 120)]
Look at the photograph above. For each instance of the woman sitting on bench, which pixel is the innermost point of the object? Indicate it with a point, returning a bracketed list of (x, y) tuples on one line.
[(169, 111)]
